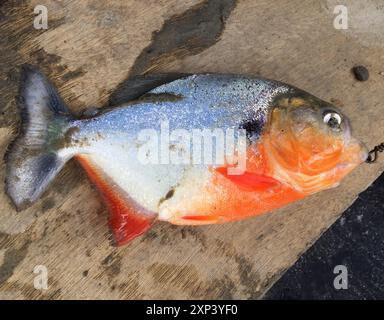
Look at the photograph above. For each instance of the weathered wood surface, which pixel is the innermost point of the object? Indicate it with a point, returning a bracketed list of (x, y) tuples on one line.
[(90, 49)]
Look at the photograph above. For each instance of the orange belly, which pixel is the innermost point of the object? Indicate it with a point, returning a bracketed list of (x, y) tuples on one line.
[(233, 197)]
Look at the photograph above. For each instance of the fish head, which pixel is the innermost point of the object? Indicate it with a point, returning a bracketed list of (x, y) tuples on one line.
[(310, 145)]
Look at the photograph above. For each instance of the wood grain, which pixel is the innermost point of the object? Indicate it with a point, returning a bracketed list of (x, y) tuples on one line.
[(89, 50)]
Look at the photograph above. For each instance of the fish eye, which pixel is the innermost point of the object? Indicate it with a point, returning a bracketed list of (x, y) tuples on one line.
[(332, 119)]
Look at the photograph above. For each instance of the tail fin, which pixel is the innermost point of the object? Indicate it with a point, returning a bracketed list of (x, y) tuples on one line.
[(33, 159)]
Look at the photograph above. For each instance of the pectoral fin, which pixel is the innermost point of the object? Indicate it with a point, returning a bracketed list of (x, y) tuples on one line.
[(250, 181), (127, 219)]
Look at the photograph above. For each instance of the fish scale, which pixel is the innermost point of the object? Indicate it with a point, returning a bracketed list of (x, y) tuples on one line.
[(196, 109)]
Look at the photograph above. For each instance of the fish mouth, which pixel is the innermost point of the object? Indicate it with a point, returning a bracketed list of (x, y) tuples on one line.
[(355, 152), (350, 141), (364, 153)]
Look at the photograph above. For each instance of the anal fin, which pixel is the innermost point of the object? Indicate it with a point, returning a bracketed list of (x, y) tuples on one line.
[(127, 219)]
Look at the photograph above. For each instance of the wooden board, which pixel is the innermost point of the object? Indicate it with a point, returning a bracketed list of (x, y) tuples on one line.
[(90, 49)]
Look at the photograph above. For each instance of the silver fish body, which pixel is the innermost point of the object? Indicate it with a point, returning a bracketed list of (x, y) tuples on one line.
[(206, 101), (129, 151)]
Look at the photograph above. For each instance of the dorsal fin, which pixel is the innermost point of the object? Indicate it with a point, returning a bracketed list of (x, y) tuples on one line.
[(127, 219)]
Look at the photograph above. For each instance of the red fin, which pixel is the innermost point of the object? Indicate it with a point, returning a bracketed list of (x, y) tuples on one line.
[(127, 219), (211, 219), (249, 180)]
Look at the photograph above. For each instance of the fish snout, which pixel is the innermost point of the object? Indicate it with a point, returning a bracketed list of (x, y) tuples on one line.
[(357, 149), (356, 152), (363, 152)]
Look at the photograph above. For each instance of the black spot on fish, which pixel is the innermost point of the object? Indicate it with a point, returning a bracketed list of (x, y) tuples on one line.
[(252, 127), (169, 195)]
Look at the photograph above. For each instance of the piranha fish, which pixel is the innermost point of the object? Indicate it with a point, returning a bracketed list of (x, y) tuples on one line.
[(295, 146)]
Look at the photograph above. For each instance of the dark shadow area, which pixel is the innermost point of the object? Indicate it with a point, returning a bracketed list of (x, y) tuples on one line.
[(355, 240), (185, 34)]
